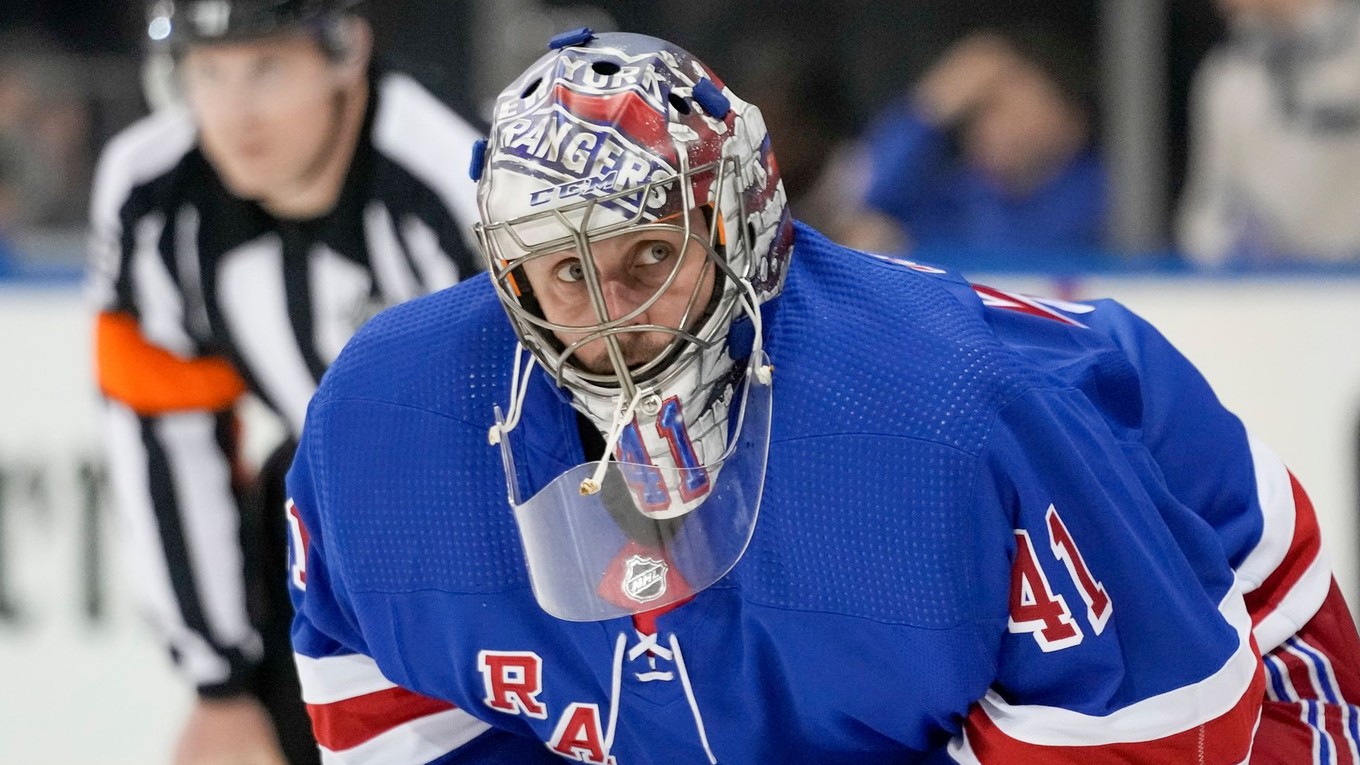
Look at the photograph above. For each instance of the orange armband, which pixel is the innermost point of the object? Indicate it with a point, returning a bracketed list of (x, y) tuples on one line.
[(151, 380)]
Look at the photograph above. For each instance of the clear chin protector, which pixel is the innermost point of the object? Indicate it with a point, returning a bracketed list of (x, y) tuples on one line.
[(604, 554)]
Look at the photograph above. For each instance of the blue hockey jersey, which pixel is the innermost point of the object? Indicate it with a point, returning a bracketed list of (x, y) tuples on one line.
[(995, 529)]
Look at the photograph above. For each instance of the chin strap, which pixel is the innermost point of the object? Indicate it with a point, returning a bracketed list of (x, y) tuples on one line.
[(764, 372), (622, 418), (519, 388)]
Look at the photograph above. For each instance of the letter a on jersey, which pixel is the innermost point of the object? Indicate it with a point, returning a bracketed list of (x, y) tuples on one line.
[(579, 737)]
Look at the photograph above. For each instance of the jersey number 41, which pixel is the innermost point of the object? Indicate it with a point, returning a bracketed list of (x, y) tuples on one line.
[(1036, 608)]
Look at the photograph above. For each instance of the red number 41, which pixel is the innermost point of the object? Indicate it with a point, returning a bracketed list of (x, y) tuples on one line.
[(1036, 609)]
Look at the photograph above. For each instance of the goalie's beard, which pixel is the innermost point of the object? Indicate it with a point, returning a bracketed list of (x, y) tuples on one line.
[(638, 349)]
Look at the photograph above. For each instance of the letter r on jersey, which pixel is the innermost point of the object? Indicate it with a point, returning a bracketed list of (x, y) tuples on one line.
[(513, 680)]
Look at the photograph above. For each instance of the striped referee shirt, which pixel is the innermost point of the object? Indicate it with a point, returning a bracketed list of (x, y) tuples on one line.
[(202, 296)]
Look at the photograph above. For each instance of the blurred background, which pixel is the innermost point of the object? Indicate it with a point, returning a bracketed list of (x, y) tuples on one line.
[(1075, 148)]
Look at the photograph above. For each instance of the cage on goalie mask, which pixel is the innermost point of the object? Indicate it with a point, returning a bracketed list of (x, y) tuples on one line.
[(597, 139), (606, 137)]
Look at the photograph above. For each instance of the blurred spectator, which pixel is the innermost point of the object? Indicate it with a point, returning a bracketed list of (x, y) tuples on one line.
[(992, 149), (45, 139), (1275, 150)]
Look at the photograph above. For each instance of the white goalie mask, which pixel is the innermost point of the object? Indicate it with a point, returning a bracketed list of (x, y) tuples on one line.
[(631, 216)]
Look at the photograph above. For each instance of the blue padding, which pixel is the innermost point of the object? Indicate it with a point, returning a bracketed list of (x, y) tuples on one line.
[(574, 37), (478, 159), (710, 99)]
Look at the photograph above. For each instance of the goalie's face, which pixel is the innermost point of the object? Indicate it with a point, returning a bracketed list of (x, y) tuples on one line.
[(652, 282)]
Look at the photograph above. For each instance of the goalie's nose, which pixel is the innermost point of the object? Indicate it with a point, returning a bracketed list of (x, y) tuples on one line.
[(622, 297)]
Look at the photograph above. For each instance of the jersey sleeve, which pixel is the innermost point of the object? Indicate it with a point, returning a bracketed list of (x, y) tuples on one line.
[(1126, 638), (359, 716), (1269, 529), (1212, 464), (171, 438)]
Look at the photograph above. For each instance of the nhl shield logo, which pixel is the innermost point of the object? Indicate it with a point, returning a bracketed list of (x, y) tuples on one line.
[(644, 579)]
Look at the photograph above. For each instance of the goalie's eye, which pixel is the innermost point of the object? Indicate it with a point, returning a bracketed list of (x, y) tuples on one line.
[(654, 253), (571, 271)]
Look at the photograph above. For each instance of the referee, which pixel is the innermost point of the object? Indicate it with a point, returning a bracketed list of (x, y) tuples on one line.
[(239, 239)]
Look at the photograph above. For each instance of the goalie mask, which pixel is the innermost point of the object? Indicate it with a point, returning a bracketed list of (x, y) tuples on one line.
[(632, 216)]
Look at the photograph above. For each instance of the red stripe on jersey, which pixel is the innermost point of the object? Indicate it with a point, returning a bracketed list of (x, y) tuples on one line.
[(1285, 735), (348, 723), (1303, 550), (1224, 740), (1282, 737), (1336, 728), (1297, 671), (1011, 301), (1332, 633)]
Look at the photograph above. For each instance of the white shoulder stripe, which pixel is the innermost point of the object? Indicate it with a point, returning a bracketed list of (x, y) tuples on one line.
[(146, 149), (336, 678), (1276, 496), (420, 740), (431, 141), (961, 749), (1302, 603), (1153, 718), (143, 151)]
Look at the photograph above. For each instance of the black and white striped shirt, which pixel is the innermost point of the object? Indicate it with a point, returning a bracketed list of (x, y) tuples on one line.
[(197, 289)]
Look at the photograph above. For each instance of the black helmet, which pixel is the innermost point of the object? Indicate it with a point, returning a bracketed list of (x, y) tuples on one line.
[(184, 22)]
